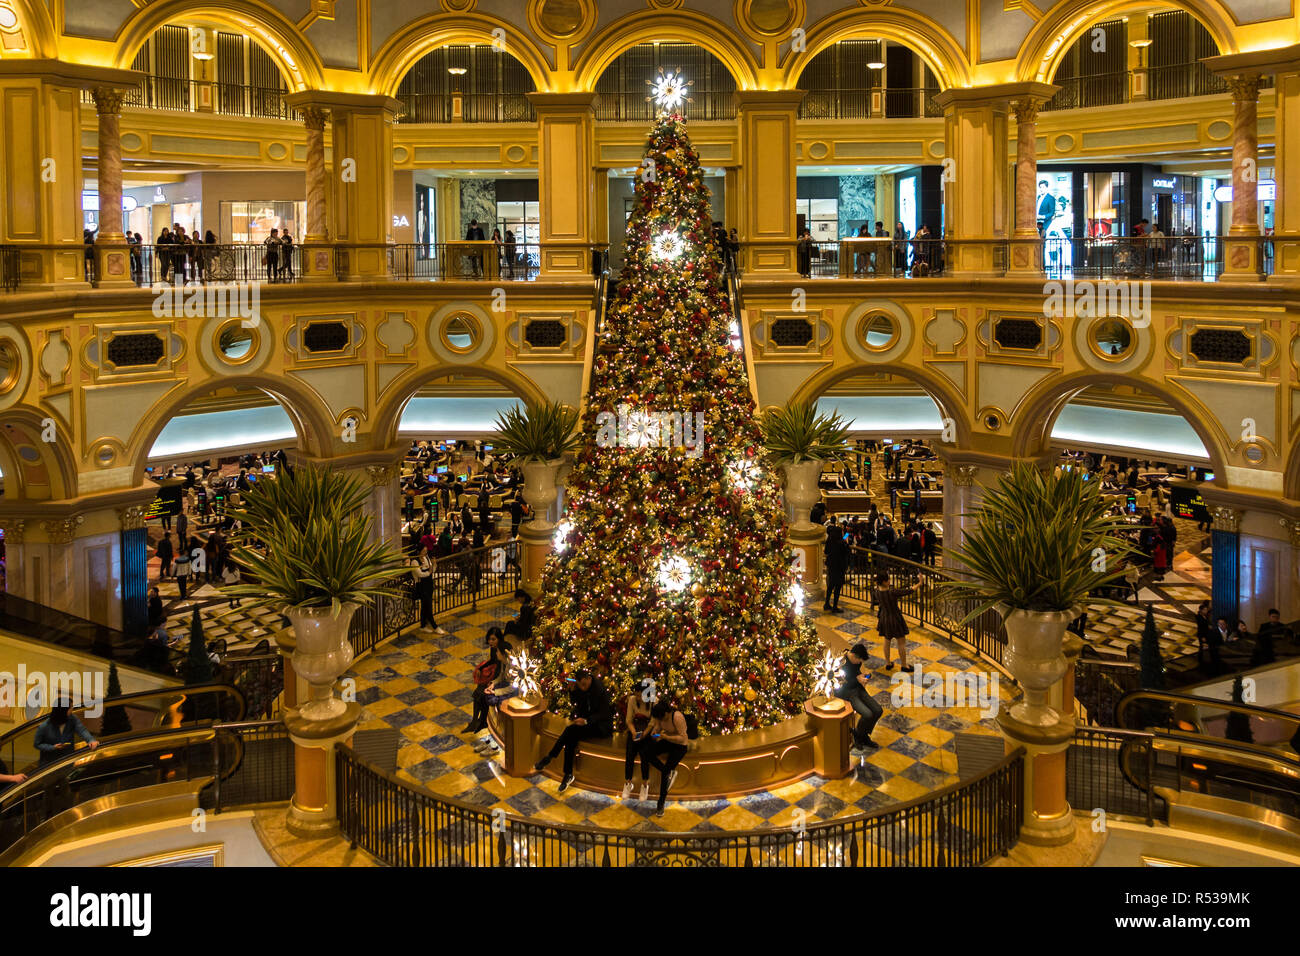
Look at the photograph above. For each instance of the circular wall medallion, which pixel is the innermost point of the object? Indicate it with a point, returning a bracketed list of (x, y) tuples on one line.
[(1112, 339), (10, 366), (15, 365), (1218, 130), (818, 150), (562, 19), (878, 331), (131, 142), (8, 19), (1254, 453), (401, 154), (937, 149), (770, 17), (461, 333), (105, 454), (277, 151), (516, 154), (1063, 143), (992, 418), (237, 342)]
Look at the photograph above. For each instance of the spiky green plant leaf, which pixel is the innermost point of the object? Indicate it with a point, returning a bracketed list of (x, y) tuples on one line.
[(537, 432), (797, 433)]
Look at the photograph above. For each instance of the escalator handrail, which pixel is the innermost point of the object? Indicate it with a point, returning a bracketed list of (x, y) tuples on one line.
[(125, 699), (1249, 756), (1251, 710)]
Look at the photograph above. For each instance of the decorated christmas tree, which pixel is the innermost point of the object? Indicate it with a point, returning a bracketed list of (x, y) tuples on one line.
[(671, 563)]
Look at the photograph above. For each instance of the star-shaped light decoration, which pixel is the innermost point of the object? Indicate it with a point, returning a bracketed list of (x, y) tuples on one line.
[(667, 246), (674, 574), (826, 675), (744, 473), (668, 89), (560, 540), (796, 597), (523, 672)]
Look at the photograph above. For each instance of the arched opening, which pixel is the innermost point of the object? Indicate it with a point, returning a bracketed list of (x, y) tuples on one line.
[(897, 425), (201, 64), (867, 77), (471, 83), (622, 91), (458, 406), (31, 467), (25, 30), (1153, 458)]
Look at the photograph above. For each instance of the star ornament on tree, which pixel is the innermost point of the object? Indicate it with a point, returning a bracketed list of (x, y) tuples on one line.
[(667, 246), (668, 90), (674, 574), (826, 675)]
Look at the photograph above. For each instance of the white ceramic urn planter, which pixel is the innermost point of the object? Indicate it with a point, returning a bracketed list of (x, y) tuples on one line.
[(322, 655), (801, 491), (1035, 658), (541, 488)]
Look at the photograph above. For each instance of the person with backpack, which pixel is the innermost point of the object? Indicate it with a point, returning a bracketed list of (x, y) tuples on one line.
[(593, 717), (668, 735)]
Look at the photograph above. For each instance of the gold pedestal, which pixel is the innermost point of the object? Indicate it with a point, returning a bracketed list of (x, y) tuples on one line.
[(314, 808)]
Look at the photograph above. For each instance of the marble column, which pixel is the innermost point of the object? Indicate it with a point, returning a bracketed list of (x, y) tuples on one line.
[(1027, 247), (111, 252), (1243, 258), (318, 257)]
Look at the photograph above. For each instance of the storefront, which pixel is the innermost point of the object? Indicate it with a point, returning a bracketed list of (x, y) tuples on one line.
[(1096, 202)]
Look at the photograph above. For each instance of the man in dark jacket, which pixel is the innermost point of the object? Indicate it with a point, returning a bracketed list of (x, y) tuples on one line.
[(475, 234), (593, 717), (837, 562)]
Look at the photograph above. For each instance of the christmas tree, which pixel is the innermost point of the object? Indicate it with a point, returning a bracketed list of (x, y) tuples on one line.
[(671, 564)]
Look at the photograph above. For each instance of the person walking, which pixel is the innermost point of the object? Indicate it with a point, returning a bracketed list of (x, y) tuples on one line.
[(58, 734), (422, 567), (837, 564), (165, 555), (182, 566), (855, 691), (890, 622)]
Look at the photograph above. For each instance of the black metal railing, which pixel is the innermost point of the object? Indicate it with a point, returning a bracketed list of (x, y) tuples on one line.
[(923, 601), (1095, 775), (264, 773), (459, 580), (1099, 686), (966, 824), (1098, 89), (260, 678), (636, 107), (475, 108), (467, 260), (196, 96)]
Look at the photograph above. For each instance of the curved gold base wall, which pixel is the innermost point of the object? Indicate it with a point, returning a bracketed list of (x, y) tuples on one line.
[(816, 741)]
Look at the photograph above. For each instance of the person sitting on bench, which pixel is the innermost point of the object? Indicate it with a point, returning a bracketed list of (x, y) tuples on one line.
[(667, 734), (593, 717)]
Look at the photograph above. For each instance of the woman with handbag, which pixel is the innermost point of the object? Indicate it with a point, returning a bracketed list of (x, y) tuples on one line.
[(488, 675)]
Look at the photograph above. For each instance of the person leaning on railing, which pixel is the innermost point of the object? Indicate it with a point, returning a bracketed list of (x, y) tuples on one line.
[(56, 736)]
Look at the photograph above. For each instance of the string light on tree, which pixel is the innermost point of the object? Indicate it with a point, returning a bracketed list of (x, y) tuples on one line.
[(669, 90), (796, 597)]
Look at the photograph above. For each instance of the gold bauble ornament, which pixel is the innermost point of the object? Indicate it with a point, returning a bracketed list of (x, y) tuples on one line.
[(749, 693)]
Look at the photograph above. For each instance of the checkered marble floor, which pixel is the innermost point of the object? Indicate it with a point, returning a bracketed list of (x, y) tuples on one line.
[(419, 683)]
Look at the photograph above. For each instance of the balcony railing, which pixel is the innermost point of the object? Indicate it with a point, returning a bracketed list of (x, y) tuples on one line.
[(856, 104), (475, 108), (194, 96), (965, 824), (635, 107)]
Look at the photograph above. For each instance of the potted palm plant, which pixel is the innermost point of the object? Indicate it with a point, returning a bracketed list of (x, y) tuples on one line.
[(540, 435), (305, 542), (800, 441), (1040, 546)]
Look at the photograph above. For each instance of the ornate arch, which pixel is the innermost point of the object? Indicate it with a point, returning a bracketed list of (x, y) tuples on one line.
[(22, 428), (935, 46), (940, 391), (681, 26), (417, 38), (294, 53), (32, 35), (310, 420), (1291, 476), (1039, 409), (389, 414), (1053, 36)]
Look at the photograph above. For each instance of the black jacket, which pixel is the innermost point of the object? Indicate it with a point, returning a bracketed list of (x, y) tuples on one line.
[(594, 706), (837, 551)]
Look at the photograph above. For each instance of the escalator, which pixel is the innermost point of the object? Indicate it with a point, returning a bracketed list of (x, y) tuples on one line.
[(131, 715), (1195, 751)]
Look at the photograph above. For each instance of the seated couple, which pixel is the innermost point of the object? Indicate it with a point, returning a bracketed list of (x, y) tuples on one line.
[(657, 732)]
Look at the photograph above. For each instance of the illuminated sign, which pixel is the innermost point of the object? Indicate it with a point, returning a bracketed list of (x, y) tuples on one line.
[(90, 202), (1162, 183), (1265, 191), (401, 221)]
